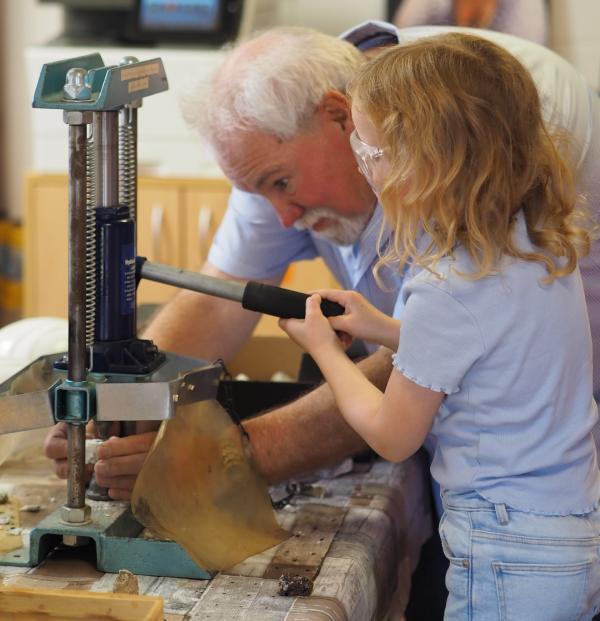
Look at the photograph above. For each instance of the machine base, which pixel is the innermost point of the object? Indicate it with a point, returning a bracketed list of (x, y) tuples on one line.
[(116, 535)]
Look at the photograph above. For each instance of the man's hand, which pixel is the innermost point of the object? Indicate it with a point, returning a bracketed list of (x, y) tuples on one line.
[(120, 461), (55, 448)]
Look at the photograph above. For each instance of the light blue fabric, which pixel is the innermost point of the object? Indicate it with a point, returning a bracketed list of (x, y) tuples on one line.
[(567, 102), (508, 565), (252, 244), (514, 359)]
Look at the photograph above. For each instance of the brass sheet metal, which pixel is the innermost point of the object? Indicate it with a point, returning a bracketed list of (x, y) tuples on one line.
[(303, 554), (199, 488)]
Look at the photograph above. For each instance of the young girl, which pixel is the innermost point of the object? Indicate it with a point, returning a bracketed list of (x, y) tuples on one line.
[(491, 330)]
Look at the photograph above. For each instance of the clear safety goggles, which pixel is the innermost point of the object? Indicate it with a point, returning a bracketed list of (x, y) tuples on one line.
[(366, 156)]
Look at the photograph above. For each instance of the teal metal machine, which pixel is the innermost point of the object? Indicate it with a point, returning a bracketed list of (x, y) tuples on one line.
[(108, 373)]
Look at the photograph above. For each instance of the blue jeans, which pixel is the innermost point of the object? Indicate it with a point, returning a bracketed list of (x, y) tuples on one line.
[(509, 565)]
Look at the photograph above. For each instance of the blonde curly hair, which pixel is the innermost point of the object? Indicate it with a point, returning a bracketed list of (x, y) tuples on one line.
[(460, 121)]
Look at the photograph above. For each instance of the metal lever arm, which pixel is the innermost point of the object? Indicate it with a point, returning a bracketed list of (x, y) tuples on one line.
[(255, 296)]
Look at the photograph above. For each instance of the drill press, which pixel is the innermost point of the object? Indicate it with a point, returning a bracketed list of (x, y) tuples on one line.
[(108, 373)]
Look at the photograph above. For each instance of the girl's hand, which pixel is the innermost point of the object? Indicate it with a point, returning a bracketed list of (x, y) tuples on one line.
[(314, 332), (361, 319)]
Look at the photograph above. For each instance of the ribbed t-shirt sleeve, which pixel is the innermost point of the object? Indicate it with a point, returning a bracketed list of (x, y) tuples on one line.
[(440, 338), (251, 243)]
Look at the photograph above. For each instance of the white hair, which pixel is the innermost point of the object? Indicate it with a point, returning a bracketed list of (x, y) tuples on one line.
[(273, 83)]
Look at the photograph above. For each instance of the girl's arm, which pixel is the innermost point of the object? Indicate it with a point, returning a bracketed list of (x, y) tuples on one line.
[(393, 423)]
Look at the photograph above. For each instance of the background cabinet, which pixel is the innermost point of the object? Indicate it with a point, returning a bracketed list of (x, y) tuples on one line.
[(177, 219)]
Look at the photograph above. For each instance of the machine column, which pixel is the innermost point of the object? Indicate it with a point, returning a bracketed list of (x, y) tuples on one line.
[(77, 307)]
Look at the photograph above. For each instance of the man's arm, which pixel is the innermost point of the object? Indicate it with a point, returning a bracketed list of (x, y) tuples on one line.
[(307, 434), (203, 326), (310, 433)]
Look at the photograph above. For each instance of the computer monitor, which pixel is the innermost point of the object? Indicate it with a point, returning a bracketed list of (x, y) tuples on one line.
[(207, 21), (146, 22)]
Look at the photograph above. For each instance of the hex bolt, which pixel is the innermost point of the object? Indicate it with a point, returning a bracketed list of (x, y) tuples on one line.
[(76, 515), (77, 117), (75, 86)]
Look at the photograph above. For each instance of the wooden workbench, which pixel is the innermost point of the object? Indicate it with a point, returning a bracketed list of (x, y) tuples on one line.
[(360, 541)]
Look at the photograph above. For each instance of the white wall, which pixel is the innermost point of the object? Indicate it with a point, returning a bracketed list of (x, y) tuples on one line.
[(22, 23), (575, 34), (330, 16)]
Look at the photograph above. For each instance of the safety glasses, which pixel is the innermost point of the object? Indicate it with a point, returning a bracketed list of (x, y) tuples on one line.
[(366, 156)]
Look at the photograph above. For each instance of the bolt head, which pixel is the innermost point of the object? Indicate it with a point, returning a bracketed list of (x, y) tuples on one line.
[(128, 60), (76, 86), (71, 91), (77, 515)]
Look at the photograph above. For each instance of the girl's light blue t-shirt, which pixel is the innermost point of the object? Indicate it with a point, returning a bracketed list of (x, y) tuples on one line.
[(514, 358)]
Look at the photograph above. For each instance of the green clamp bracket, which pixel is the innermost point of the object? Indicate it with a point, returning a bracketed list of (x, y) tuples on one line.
[(84, 84), (74, 402)]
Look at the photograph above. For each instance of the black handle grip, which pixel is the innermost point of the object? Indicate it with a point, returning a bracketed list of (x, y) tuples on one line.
[(282, 303)]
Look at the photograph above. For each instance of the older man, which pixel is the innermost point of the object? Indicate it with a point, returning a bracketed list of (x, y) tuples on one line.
[(279, 120)]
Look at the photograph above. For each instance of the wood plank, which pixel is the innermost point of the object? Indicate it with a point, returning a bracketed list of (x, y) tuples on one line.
[(48, 604)]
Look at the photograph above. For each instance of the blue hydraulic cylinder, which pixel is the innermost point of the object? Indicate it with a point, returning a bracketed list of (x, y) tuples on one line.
[(116, 284)]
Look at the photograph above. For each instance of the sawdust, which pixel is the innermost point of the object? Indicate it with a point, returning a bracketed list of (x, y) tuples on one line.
[(126, 582), (9, 521)]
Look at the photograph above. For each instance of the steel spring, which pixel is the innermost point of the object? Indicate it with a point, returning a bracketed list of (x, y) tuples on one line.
[(90, 244), (127, 167)]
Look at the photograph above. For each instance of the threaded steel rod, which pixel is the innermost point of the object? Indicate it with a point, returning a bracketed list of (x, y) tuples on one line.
[(77, 315)]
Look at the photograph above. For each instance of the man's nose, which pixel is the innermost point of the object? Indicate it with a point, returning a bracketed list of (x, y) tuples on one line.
[(287, 212)]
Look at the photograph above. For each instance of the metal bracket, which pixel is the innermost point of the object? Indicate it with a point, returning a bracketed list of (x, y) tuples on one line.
[(106, 88), (74, 402)]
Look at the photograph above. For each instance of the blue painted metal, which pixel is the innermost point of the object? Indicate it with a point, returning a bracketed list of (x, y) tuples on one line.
[(111, 87), (74, 402), (116, 535)]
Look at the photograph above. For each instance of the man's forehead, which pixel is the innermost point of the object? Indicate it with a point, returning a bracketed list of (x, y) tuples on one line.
[(250, 159)]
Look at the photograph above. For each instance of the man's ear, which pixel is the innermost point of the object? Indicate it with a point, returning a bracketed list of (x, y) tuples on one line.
[(335, 108)]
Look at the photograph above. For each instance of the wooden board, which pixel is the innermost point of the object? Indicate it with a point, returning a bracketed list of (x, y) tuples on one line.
[(60, 605)]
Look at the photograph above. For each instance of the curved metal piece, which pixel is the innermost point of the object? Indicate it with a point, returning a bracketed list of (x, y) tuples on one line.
[(199, 471)]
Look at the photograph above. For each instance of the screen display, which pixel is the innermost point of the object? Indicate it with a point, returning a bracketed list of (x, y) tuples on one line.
[(179, 15)]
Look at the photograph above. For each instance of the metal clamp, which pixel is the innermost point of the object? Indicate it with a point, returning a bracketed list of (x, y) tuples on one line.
[(74, 402)]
